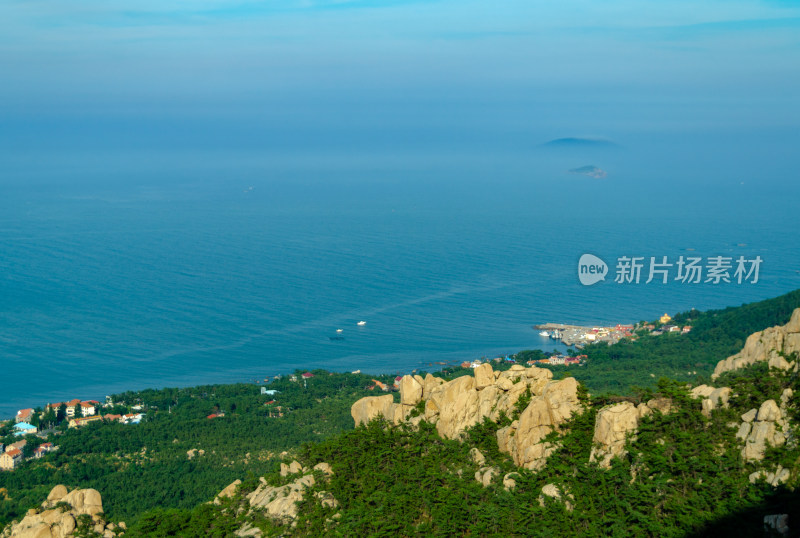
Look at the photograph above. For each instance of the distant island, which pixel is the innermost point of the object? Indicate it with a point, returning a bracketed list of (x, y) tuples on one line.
[(590, 170), (575, 142)]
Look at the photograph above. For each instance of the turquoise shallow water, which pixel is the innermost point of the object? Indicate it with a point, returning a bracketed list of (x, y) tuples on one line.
[(129, 275)]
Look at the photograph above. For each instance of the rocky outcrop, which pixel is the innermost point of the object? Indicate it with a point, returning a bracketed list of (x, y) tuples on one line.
[(554, 492), (485, 475), (510, 481), (765, 427), (280, 502), (194, 452), (65, 513), (662, 405), (766, 345), (612, 426), (228, 492), (547, 411), (484, 376), (457, 405), (476, 456), (773, 478), (292, 468), (777, 523), (615, 422), (370, 407), (712, 398), (324, 468), (411, 390)]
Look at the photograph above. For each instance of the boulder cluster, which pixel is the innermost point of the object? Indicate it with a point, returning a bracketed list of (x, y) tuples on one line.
[(280, 503), (772, 345), (712, 398), (65, 513), (456, 405), (764, 426)]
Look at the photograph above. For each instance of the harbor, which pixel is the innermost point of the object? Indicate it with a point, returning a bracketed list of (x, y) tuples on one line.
[(577, 336)]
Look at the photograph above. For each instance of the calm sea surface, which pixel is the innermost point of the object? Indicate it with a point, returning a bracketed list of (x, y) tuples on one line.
[(131, 271)]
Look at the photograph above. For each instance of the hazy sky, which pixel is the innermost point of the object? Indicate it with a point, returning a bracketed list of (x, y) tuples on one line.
[(210, 72)]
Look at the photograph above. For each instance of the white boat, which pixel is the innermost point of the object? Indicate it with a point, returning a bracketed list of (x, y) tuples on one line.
[(544, 333), (338, 330), (361, 323)]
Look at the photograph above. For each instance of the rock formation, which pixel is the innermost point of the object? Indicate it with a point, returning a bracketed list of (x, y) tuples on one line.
[(371, 407), (773, 478), (712, 398), (612, 426), (777, 522), (510, 481), (485, 475), (547, 411), (477, 456), (461, 403), (766, 426), (554, 492), (228, 492), (766, 345), (292, 468), (65, 513), (280, 502)]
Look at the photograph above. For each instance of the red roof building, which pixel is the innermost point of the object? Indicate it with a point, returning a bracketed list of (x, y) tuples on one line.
[(24, 415)]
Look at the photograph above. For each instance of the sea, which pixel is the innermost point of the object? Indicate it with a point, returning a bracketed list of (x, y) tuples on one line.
[(125, 270)]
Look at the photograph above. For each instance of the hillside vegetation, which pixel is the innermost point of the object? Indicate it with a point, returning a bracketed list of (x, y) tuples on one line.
[(680, 470)]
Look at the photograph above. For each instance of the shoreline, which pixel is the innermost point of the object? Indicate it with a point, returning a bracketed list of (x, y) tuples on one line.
[(8, 410)]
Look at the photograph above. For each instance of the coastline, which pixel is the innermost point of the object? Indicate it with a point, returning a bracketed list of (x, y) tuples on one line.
[(99, 391)]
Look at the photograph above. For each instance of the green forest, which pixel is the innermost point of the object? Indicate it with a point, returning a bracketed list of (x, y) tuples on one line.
[(397, 481), (159, 475), (124, 460)]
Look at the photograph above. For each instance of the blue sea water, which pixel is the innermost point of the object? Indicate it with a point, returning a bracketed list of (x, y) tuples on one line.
[(138, 270)]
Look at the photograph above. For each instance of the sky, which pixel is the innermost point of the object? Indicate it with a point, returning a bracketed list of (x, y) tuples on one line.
[(280, 74)]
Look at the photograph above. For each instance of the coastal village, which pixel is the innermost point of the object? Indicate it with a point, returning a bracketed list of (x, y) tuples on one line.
[(578, 336), (78, 413), (75, 412)]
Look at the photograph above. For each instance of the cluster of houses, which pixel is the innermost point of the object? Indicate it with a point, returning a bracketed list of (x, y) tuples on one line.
[(129, 418), (667, 327), (560, 360), (477, 362), (305, 376), (76, 407), (274, 411), (11, 456), (78, 413)]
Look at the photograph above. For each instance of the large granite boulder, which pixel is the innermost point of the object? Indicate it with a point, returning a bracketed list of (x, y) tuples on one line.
[(370, 407), (612, 426)]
